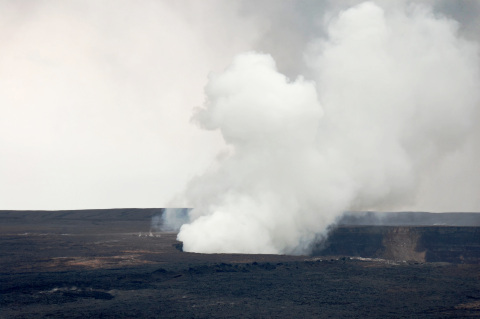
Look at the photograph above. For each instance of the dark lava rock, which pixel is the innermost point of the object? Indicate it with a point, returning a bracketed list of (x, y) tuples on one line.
[(96, 264)]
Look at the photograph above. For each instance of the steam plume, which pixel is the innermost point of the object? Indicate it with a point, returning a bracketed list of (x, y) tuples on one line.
[(392, 93)]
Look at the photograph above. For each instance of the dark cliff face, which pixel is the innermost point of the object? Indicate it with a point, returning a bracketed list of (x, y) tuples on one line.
[(404, 243)]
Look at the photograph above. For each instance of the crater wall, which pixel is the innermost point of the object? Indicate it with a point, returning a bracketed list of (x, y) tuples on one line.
[(454, 244)]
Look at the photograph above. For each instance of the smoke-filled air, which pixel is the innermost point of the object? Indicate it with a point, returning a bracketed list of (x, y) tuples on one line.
[(265, 120), (388, 94)]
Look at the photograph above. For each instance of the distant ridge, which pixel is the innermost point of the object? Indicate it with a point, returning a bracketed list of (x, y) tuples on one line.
[(409, 219), (368, 218)]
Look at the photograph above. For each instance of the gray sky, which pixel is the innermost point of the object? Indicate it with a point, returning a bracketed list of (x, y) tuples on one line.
[(96, 97)]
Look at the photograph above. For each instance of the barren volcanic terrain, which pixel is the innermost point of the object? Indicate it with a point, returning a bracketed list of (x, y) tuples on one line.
[(108, 264)]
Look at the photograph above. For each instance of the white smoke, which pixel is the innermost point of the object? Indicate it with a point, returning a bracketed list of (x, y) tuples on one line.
[(393, 92)]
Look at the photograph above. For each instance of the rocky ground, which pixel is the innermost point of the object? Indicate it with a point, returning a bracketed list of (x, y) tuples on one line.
[(104, 264)]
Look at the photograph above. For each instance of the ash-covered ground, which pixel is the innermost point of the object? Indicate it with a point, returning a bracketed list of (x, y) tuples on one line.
[(107, 264)]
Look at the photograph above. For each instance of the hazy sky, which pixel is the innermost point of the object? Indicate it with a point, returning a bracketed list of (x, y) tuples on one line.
[(97, 97)]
